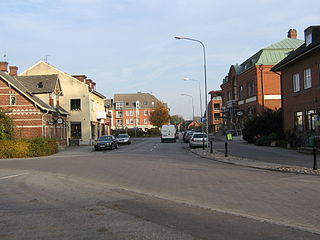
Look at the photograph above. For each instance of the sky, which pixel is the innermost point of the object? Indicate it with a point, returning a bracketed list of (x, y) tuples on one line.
[(128, 46)]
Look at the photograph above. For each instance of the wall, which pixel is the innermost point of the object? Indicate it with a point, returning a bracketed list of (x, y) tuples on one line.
[(72, 89)]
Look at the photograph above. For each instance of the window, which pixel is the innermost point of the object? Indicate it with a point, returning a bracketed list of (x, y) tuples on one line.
[(127, 121), (131, 113), (296, 82), (119, 114), (119, 122), (308, 38), (146, 112), (241, 93), (217, 116), (251, 88), (13, 100), (145, 103), (75, 104), (216, 106), (310, 121), (75, 130), (119, 105), (146, 121), (307, 78), (298, 121), (137, 104)]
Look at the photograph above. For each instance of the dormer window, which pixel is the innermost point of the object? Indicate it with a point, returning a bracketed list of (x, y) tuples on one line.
[(308, 38), (40, 85)]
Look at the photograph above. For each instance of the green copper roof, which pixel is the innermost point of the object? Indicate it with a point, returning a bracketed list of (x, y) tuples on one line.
[(271, 55)]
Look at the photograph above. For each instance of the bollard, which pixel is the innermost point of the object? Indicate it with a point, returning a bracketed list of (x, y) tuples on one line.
[(226, 149), (314, 150), (203, 143), (211, 146)]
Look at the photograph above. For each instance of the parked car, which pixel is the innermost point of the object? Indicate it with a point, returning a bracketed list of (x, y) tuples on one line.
[(186, 136), (123, 138), (196, 139), (106, 142)]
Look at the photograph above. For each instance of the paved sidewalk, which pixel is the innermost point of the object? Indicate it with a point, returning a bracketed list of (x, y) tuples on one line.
[(269, 163)]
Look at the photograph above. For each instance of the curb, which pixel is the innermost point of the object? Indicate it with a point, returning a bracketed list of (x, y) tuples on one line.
[(255, 164)]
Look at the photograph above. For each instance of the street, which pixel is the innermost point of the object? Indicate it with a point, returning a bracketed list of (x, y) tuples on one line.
[(152, 190)]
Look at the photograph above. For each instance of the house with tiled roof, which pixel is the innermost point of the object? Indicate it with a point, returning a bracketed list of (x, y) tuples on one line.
[(88, 119), (250, 87), (132, 110), (33, 115), (300, 83)]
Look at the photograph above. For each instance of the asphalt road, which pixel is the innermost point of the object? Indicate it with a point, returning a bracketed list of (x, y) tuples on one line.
[(152, 190)]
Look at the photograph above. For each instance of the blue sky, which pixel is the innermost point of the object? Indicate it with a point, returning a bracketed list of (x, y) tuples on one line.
[(127, 46)]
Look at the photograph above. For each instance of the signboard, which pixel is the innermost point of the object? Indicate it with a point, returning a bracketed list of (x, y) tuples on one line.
[(60, 121)]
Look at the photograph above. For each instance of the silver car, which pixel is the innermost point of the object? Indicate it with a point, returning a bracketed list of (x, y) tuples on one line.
[(196, 139), (123, 138)]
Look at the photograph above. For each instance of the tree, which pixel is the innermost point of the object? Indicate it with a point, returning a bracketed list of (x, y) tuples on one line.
[(160, 116), (267, 123), (176, 119), (6, 126)]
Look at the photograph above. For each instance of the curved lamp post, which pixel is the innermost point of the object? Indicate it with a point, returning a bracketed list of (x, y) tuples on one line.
[(205, 78), (187, 95)]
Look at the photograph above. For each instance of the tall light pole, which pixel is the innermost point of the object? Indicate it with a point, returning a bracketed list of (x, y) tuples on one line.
[(187, 95), (190, 79), (205, 79)]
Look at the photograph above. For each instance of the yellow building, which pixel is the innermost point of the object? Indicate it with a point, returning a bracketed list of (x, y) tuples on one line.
[(88, 118)]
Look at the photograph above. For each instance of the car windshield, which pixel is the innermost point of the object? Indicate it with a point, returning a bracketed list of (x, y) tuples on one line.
[(123, 135), (105, 138), (198, 135)]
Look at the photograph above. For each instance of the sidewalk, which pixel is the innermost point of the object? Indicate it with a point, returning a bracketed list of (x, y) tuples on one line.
[(263, 161)]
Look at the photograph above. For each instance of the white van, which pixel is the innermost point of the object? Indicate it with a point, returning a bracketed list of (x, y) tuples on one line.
[(168, 133)]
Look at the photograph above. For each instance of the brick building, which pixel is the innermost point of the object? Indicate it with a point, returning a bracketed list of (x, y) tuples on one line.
[(250, 88), (300, 81), (133, 110), (32, 117), (214, 109)]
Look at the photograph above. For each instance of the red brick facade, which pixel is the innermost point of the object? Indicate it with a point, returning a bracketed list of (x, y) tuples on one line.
[(28, 118)]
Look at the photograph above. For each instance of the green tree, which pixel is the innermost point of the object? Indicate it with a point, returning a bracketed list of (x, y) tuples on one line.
[(176, 119), (160, 116), (6, 126)]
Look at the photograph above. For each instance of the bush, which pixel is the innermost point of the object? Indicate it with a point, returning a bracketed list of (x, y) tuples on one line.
[(266, 140), (153, 132), (269, 122), (28, 147)]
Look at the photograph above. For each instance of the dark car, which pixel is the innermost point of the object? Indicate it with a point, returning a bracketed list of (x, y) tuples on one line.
[(186, 136), (106, 142), (123, 138)]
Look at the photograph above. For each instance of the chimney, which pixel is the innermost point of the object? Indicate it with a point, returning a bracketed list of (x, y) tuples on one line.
[(94, 85), (89, 82), (81, 78), (13, 70), (292, 33), (4, 66)]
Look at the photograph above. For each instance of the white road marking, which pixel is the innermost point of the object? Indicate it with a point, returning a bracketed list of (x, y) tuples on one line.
[(12, 176)]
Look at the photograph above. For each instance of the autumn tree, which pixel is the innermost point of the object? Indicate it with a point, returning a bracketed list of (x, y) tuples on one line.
[(160, 116)]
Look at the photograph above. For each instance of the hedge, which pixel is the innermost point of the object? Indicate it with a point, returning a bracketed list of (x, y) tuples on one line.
[(34, 147)]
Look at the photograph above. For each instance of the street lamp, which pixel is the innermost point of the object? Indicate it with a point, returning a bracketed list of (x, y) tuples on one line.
[(205, 78), (190, 79), (187, 95)]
